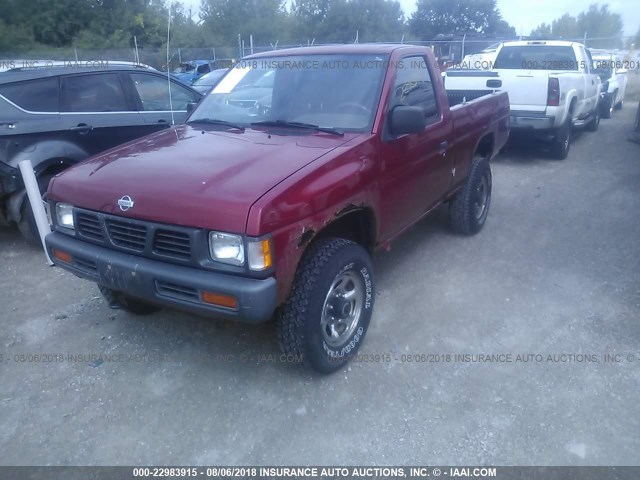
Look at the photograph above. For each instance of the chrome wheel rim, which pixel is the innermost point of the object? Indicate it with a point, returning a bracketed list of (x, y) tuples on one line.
[(481, 198), (342, 308)]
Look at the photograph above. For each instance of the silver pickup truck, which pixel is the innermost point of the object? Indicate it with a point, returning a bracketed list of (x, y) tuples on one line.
[(552, 87)]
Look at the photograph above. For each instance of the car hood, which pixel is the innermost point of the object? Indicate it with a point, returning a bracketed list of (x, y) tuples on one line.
[(198, 177)]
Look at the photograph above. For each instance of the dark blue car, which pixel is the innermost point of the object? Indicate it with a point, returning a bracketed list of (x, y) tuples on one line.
[(189, 72)]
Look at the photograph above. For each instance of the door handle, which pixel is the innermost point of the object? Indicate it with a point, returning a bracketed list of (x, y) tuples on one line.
[(162, 120), (82, 128), (443, 145)]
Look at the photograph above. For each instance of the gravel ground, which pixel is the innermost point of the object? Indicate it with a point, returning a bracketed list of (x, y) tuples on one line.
[(555, 273)]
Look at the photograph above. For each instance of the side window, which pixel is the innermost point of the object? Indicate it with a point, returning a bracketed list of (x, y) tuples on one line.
[(98, 92), (154, 93), (36, 95), (414, 87)]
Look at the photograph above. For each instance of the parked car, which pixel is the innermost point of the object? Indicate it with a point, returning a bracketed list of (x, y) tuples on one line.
[(56, 117), (205, 83), (189, 72), (552, 87), (610, 68), (279, 212)]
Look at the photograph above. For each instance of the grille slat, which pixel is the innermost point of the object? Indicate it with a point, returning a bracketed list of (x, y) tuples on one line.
[(128, 235), (89, 226), (176, 244)]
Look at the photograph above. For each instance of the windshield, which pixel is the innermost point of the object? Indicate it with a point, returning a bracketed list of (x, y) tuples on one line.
[(537, 57), (603, 67), (332, 91)]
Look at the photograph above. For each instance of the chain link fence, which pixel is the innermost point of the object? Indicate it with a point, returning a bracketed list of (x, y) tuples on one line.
[(224, 56)]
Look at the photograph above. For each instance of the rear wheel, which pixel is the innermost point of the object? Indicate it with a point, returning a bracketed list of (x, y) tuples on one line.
[(118, 300), (468, 210), (593, 124), (327, 315), (562, 141)]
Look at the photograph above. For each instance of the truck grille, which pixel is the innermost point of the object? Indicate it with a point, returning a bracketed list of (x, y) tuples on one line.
[(174, 244), (135, 236), (126, 234)]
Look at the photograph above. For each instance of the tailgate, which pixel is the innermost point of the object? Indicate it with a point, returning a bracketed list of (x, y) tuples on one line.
[(527, 88)]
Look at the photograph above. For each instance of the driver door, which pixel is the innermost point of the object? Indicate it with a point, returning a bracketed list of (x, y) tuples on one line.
[(416, 168)]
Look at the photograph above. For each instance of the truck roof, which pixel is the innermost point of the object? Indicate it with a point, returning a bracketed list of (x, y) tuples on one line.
[(361, 48), (551, 43)]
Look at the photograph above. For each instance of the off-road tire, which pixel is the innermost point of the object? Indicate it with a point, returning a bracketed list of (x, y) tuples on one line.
[(122, 301), (561, 144), (298, 322), (463, 216)]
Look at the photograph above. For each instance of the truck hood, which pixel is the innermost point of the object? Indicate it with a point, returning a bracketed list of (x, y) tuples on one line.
[(197, 177)]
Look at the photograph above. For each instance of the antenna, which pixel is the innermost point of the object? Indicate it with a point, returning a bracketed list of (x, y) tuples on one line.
[(173, 122)]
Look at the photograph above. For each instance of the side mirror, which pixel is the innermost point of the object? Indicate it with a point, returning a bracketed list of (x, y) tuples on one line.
[(404, 120), (191, 106)]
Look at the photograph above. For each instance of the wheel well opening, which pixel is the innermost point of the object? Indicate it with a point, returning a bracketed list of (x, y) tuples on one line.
[(485, 147), (358, 226)]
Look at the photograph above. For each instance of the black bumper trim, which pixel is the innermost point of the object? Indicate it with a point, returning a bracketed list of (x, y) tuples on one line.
[(139, 277)]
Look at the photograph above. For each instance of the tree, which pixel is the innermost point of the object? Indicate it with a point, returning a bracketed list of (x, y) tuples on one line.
[(369, 20), (224, 20), (434, 17), (602, 28)]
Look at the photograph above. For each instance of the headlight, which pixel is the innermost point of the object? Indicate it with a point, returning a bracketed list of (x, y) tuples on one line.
[(226, 248), (64, 215), (259, 254)]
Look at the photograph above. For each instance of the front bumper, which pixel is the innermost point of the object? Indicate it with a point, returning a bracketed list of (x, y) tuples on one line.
[(164, 283)]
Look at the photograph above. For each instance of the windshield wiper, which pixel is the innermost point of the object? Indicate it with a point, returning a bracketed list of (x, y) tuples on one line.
[(308, 126), (215, 121)]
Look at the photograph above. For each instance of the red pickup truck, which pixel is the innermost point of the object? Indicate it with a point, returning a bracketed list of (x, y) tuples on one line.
[(271, 198)]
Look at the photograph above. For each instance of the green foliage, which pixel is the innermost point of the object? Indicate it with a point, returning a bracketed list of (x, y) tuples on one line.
[(113, 24), (602, 27), (434, 17)]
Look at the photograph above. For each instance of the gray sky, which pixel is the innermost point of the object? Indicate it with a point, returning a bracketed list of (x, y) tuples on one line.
[(527, 15)]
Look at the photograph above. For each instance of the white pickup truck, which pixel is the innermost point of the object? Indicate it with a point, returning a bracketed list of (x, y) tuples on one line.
[(552, 88), (612, 71)]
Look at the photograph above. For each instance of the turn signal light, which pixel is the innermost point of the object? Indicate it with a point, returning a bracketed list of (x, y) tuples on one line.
[(62, 256), (220, 300)]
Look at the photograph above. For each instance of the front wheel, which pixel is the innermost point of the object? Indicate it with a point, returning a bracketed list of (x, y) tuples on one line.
[(120, 301), (468, 210), (327, 315), (607, 105), (27, 225)]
